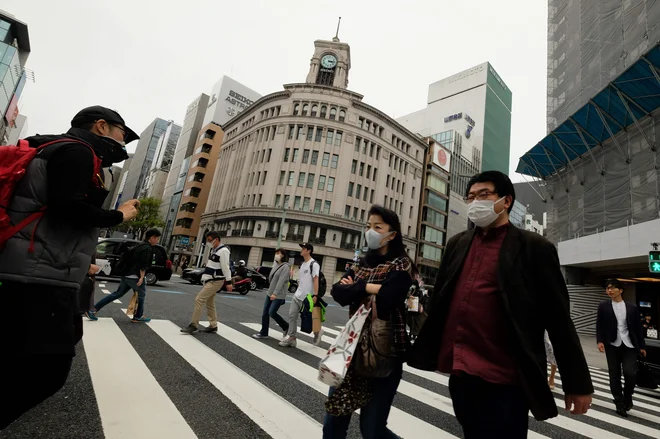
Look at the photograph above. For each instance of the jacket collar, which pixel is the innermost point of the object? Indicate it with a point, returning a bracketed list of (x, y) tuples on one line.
[(97, 144)]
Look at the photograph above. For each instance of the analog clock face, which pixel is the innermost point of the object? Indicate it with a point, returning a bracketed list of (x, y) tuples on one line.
[(329, 61)]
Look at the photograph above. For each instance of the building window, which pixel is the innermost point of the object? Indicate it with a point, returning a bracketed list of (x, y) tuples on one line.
[(335, 161), (286, 201), (362, 212), (326, 159), (333, 113), (290, 183), (355, 213), (317, 206), (375, 172), (263, 180), (296, 109), (371, 198), (327, 208), (194, 192), (301, 179), (287, 151), (278, 199), (305, 109), (198, 177), (338, 138), (324, 111), (354, 167), (342, 116), (366, 192), (306, 202), (347, 211), (315, 109), (331, 184), (310, 133), (296, 153), (310, 181), (296, 203), (282, 177), (368, 171), (329, 137), (358, 191), (292, 128), (319, 134), (301, 130), (270, 151), (315, 157), (357, 144), (321, 182), (305, 156), (436, 201), (361, 173), (350, 189)]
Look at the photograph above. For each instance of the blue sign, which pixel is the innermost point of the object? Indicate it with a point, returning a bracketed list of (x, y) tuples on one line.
[(458, 116), (185, 240)]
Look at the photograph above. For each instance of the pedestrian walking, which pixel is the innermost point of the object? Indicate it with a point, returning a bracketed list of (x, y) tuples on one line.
[(132, 267), (276, 295), (498, 289), (620, 336), (550, 357), (308, 283), (384, 275), (216, 273), (44, 258)]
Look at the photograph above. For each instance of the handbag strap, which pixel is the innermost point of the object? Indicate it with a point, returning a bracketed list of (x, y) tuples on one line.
[(374, 308)]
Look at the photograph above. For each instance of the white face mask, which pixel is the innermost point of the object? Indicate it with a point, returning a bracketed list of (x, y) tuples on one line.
[(375, 239), (278, 258), (482, 212)]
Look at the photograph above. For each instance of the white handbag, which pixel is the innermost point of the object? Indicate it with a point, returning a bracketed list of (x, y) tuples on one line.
[(334, 366)]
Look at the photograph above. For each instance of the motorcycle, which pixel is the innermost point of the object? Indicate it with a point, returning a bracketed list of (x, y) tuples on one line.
[(241, 287)]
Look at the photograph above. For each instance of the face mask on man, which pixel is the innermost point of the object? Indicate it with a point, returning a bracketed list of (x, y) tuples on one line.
[(482, 212), (376, 240), (115, 151)]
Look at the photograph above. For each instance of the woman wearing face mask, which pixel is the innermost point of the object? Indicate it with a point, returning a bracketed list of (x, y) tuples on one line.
[(384, 273), (278, 278)]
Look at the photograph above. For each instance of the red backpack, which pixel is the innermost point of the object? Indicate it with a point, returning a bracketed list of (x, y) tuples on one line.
[(14, 160)]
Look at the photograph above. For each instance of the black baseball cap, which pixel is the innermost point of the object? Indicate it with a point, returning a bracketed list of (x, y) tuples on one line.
[(97, 112), (308, 246)]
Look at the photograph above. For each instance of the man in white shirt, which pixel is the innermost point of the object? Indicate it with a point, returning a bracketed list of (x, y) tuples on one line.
[(215, 274), (308, 283), (619, 334)]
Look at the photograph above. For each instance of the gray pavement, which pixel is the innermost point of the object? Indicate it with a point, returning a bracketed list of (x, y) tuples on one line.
[(132, 380)]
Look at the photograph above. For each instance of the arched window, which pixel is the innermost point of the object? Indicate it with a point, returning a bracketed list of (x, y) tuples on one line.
[(305, 110), (324, 110), (342, 116), (333, 113), (315, 109), (296, 109)]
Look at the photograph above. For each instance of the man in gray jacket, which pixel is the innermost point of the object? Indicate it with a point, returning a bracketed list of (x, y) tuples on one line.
[(276, 297)]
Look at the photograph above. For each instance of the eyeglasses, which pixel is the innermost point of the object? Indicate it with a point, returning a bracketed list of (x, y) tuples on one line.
[(483, 195), (121, 128)]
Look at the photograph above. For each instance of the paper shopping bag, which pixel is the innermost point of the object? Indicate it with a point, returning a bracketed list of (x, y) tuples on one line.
[(132, 305), (334, 365), (316, 319), (413, 304)]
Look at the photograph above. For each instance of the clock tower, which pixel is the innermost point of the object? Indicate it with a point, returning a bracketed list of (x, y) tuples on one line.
[(330, 63)]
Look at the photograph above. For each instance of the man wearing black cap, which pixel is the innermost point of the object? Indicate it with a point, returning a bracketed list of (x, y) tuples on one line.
[(43, 264), (308, 283)]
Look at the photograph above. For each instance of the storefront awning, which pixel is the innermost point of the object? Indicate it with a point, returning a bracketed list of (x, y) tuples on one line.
[(632, 96)]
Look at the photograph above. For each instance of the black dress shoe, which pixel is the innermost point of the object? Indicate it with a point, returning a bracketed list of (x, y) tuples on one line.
[(620, 411), (189, 329), (628, 406), (209, 330)]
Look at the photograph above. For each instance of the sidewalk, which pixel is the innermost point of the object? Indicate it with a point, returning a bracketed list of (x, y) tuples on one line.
[(594, 358)]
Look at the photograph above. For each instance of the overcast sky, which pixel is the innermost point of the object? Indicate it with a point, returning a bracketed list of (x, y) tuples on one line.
[(150, 59)]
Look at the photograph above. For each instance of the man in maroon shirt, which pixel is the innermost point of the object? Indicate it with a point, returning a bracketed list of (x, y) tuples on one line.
[(498, 289)]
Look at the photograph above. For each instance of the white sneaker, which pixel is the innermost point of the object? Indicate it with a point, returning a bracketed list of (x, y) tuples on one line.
[(317, 337), (288, 343), (284, 333)]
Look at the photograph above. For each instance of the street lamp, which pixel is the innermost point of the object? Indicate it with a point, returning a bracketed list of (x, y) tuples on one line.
[(281, 230)]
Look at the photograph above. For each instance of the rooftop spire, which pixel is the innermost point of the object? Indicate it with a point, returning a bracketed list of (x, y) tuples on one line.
[(336, 38)]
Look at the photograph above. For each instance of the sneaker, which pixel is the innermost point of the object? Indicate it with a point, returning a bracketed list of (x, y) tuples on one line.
[(189, 329), (209, 330), (142, 319), (91, 315), (317, 337), (289, 342), (259, 336), (284, 333)]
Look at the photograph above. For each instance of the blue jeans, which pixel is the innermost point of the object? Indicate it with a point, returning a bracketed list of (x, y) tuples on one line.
[(373, 416), (270, 310), (125, 285)]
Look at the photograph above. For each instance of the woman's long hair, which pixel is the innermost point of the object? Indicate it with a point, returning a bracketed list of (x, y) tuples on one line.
[(395, 248)]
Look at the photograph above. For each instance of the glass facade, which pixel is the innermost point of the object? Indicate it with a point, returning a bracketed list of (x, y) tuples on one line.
[(497, 124), (10, 73), (517, 215)]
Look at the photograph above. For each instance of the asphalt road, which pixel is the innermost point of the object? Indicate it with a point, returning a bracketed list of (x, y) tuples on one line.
[(148, 380)]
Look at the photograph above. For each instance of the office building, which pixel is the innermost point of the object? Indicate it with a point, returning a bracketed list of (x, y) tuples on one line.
[(117, 194), (18, 131), (14, 52), (599, 162), (315, 154), (433, 210), (470, 114), (518, 214), (113, 177), (154, 185)]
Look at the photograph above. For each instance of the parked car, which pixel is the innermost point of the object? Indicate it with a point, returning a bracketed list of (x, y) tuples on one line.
[(259, 281), (194, 276), (109, 250), (652, 360)]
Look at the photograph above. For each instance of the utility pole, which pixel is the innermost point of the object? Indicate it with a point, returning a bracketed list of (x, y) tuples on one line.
[(281, 230)]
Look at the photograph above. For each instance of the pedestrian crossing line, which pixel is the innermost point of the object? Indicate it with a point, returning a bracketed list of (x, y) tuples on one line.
[(639, 394), (101, 285), (130, 316), (399, 421), (563, 422), (604, 377), (636, 413), (108, 292), (268, 410), (119, 376), (331, 331)]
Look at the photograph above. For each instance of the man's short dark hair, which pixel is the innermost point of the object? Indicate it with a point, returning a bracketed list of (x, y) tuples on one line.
[(614, 283), (284, 253), (213, 235), (501, 181), (153, 232)]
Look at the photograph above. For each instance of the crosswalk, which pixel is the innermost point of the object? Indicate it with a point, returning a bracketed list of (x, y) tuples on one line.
[(151, 381)]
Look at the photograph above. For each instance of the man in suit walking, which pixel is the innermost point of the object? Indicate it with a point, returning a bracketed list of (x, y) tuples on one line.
[(619, 334), (498, 289)]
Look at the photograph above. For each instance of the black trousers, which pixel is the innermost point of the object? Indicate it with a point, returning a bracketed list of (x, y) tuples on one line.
[(618, 358), (486, 410), (37, 338)]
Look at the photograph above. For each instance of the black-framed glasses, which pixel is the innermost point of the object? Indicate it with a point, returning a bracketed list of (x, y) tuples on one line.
[(482, 195)]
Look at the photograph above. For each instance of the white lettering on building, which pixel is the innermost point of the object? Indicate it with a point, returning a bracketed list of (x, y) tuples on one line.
[(465, 74)]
